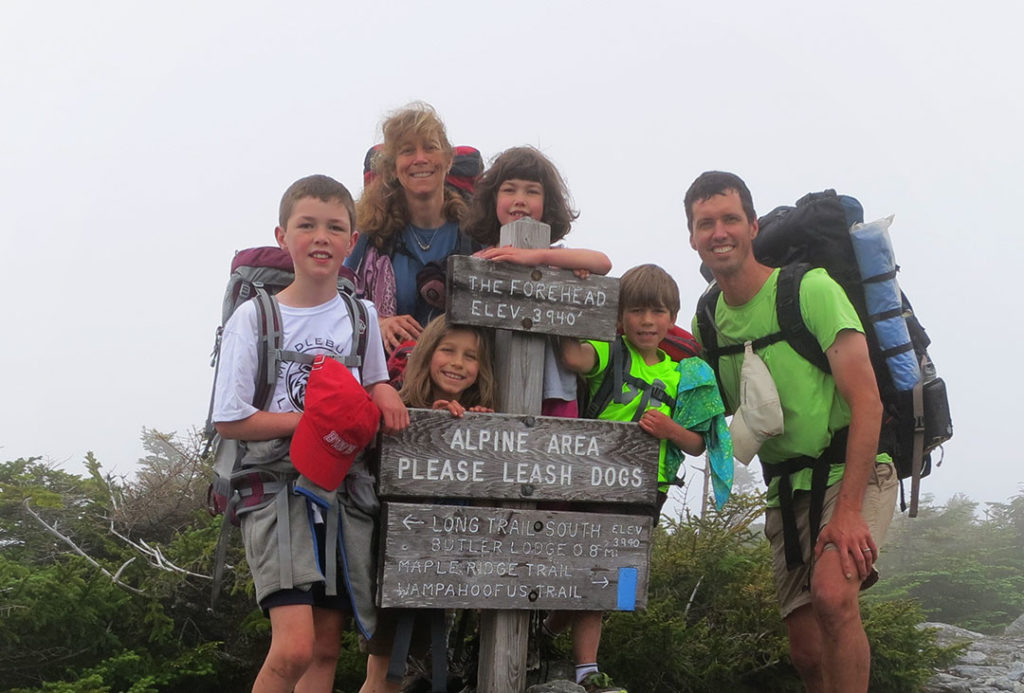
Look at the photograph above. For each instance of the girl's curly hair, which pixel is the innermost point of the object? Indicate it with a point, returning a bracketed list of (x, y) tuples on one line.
[(525, 163)]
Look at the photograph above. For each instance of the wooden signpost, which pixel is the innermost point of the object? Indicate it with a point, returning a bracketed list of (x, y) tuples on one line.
[(510, 557)]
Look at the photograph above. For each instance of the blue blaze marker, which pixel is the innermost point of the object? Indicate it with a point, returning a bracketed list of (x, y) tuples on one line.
[(627, 589)]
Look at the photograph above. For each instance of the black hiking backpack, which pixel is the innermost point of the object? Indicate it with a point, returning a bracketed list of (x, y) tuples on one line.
[(257, 274), (816, 232)]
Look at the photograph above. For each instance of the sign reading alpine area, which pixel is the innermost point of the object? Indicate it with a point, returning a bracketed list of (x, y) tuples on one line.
[(505, 456)]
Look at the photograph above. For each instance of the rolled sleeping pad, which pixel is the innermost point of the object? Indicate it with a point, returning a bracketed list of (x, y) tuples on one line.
[(877, 264)]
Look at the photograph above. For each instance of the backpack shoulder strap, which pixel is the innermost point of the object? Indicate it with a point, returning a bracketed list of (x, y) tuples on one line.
[(707, 334), (612, 379), (616, 376), (355, 258), (466, 245), (359, 317), (707, 331), (791, 321), (268, 346)]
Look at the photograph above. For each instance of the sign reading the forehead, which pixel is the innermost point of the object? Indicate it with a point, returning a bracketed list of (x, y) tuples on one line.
[(542, 300)]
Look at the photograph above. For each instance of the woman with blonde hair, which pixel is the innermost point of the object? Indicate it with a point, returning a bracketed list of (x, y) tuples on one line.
[(408, 221)]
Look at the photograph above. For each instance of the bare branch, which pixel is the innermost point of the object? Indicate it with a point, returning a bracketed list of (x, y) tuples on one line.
[(693, 595), (74, 547), (155, 556)]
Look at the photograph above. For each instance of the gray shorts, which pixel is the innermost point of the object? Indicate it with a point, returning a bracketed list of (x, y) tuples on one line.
[(262, 547), (792, 587)]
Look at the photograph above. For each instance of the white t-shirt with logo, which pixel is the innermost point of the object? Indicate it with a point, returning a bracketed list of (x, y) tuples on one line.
[(323, 329)]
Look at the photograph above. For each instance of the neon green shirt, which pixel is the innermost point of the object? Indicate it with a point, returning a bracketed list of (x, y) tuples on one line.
[(812, 407), (664, 372)]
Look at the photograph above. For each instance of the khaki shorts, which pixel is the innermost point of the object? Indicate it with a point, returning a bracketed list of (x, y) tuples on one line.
[(792, 587)]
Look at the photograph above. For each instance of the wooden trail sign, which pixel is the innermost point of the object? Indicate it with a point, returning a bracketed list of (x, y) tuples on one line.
[(516, 457), (539, 300), (448, 556)]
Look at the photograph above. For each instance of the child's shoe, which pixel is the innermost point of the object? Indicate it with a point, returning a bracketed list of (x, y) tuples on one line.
[(599, 682)]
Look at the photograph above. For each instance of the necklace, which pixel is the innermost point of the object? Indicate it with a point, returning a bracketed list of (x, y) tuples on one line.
[(424, 246)]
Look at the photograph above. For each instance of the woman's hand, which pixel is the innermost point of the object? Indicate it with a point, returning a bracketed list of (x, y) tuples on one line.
[(398, 328)]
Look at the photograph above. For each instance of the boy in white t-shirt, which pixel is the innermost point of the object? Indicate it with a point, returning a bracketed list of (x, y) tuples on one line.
[(317, 229)]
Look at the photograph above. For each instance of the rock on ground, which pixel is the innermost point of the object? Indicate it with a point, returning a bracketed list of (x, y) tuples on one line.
[(990, 664)]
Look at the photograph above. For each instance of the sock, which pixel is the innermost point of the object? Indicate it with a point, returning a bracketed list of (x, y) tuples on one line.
[(583, 669)]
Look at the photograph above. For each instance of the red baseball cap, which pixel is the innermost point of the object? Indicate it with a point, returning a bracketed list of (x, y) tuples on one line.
[(339, 420)]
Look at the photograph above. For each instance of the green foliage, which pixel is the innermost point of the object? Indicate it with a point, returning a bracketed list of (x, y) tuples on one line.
[(711, 622), (93, 598), (903, 655), (962, 570), (103, 588)]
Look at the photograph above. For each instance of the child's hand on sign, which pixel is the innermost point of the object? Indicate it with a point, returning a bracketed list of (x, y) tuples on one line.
[(457, 409), (663, 427)]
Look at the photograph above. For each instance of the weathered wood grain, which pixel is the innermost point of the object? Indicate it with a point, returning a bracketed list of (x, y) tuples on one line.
[(517, 457), (538, 300), (445, 556)]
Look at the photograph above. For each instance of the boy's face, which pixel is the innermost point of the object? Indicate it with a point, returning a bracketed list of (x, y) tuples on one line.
[(318, 237), (646, 326)]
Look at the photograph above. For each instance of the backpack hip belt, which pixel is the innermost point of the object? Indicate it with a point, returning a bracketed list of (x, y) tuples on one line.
[(835, 453)]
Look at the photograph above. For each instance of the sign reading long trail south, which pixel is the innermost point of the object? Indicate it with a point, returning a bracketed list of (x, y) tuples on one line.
[(446, 556), (515, 457)]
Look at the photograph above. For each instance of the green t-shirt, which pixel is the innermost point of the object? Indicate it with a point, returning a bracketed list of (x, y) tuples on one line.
[(812, 407), (664, 372)]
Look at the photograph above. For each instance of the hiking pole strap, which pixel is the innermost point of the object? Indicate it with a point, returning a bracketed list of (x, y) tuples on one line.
[(917, 462), (221, 552), (284, 540), (400, 646), (438, 652), (331, 533)]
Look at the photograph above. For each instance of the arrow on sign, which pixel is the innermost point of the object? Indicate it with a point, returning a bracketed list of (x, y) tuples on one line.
[(411, 520), (603, 582)]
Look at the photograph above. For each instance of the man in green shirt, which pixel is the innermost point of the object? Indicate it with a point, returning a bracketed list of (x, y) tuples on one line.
[(818, 597)]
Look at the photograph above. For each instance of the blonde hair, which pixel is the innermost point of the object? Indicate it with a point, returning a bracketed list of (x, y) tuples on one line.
[(418, 389), (382, 208)]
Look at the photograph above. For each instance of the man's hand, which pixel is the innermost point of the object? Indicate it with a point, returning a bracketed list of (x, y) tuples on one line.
[(849, 534)]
